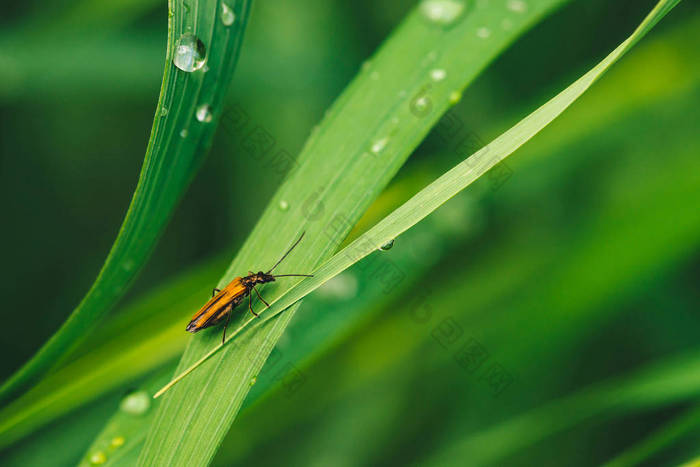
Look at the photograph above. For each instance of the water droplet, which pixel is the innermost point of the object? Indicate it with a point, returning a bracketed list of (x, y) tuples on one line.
[(163, 111), (483, 33), (518, 6), (253, 380), (117, 441), (387, 245), (442, 12), (374, 75), (421, 103), (438, 74), (98, 458), (189, 53), (506, 24), (203, 113), (205, 69), (183, 133), (136, 403), (284, 206), (379, 145), (455, 96), (343, 286), (227, 15)]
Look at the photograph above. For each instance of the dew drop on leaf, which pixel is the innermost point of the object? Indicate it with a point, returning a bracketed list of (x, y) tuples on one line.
[(483, 33), (117, 441), (284, 206), (203, 113), (518, 6), (136, 403), (227, 15), (98, 458), (190, 53), (379, 145), (442, 12), (437, 74), (387, 246)]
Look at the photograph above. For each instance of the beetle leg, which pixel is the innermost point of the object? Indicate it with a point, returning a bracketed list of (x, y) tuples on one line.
[(228, 317), (250, 305), (260, 297), (215, 291)]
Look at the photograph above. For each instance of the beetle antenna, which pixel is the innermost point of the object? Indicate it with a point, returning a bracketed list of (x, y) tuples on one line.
[(288, 251), (293, 275)]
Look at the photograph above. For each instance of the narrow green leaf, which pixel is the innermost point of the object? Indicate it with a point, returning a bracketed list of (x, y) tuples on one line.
[(177, 146), (366, 136), (445, 187)]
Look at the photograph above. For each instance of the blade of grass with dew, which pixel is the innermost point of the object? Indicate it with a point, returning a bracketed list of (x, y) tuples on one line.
[(115, 444), (366, 136), (145, 335), (177, 146), (445, 187)]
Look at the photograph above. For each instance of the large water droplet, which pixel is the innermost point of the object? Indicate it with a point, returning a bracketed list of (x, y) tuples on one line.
[(518, 6), (117, 441), (437, 74), (442, 12), (379, 145), (227, 15), (387, 246), (98, 458), (136, 403), (284, 206), (203, 113), (190, 53)]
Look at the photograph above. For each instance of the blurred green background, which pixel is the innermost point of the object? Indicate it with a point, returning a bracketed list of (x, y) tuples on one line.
[(547, 317)]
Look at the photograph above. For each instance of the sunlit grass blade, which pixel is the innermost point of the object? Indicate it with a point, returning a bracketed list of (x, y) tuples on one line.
[(177, 146), (363, 140), (444, 188)]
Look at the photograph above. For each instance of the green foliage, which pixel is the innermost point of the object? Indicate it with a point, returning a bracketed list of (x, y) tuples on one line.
[(559, 275), (176, 148)]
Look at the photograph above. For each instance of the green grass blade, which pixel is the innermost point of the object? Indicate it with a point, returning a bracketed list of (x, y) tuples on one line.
[(364, 139), (445, 187), (119, 440), (170, 163), (142, 337)]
